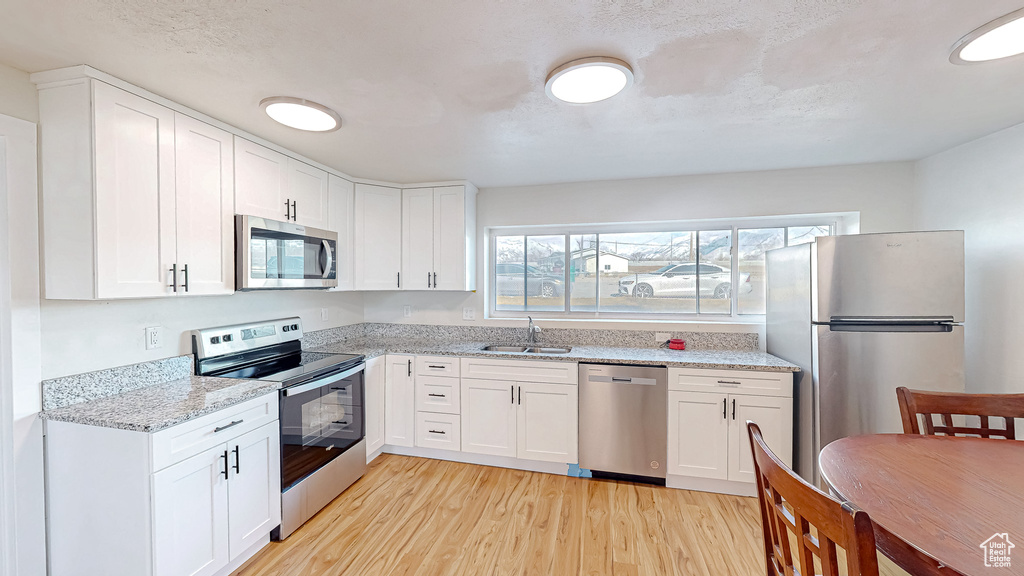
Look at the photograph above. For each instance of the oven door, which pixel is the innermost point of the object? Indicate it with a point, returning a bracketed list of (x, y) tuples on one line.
[(272, 254), (320, 420)]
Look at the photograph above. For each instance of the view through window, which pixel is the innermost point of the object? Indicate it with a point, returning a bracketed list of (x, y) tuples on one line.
[(676, 272)]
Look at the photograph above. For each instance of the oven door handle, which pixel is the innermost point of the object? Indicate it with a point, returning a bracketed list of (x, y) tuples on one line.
[(321, 382)]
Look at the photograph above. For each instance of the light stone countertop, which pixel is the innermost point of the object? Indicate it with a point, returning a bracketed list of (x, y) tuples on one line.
[(715, 359), (154, 408)]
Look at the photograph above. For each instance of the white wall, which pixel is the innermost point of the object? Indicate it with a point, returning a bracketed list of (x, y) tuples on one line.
[(81, 336), (881, 193), (978, 187)]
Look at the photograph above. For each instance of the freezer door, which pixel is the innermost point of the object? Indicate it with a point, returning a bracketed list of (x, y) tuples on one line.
[(856, 375), (876, 276)]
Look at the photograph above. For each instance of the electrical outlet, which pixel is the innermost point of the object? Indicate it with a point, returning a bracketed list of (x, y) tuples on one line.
[(469, 313), (660, 337), (324, 315), (154, 337), (407, 311)]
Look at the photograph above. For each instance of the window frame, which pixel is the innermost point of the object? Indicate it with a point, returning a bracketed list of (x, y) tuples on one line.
[(834, 222)]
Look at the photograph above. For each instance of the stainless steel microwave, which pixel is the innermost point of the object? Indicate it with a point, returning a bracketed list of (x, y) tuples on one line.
[(270, 254)]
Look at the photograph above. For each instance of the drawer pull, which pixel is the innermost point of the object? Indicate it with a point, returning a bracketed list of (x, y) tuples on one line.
[(436, 366), (436, 431), (432, 395), (730, 383), (226, 426), (340, 422)]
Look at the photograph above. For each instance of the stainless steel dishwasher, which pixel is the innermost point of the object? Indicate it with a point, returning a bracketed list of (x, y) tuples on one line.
[(623, 419)]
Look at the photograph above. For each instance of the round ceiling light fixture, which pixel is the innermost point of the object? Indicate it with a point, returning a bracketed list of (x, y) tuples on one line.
[(588, 80), (1000, 38), (301, 114)]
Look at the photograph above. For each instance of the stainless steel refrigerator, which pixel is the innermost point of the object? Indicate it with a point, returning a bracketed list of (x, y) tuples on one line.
[(862, 315)]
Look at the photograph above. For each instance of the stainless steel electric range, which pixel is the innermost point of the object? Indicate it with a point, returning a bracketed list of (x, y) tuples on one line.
[(323, 450)]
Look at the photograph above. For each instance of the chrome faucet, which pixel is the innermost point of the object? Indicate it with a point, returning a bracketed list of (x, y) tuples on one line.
[(531, 332)]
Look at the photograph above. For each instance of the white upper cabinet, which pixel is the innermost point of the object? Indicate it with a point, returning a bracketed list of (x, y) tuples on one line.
[(133, 192), (378, 238), (205, 206), (271, 185), (438, 228), (342, 221)]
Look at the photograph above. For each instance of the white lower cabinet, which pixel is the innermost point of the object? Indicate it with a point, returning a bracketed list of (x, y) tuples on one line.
[(399, 401), (547, 422), (196, 499), (374, 404), (708, 446), (489, 417), (438, 430)]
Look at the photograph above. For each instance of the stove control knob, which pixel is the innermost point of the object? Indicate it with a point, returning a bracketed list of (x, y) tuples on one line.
[(226, 338), (215, 340), (295, 326), (286, 328)]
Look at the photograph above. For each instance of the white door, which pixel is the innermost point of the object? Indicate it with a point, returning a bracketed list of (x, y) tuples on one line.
[(378, 237), (254, 490), (134, 155), (450, 237), (418, 238), (341, 206), (774, 416), (489, 417), (205, 207), (547, 422), (374, 404), (190, 516), (399, 401), (698, 435), (261, 178), (308, 191)]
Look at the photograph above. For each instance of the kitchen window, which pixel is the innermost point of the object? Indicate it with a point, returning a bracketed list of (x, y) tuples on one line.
[(715, 271)]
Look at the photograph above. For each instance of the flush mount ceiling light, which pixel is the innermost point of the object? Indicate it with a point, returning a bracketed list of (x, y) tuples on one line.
[(999, 38), (588, 80), (301, 114)]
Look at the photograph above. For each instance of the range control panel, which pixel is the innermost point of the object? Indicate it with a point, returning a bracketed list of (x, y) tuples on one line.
[(211, 342)]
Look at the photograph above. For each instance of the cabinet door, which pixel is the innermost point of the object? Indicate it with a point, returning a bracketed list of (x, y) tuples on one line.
[(450, 237), (134, 155), (308, 189), (378, 231), (374, 379), (205, 206), (261, 178), (489, 417), (341, 206), (254, 490), (774, 415), (418, 238), (547, 422), (399, 401), (190, 516), (698, 435)]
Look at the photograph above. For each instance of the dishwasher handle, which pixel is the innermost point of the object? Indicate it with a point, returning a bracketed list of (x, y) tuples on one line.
[(620, 380)]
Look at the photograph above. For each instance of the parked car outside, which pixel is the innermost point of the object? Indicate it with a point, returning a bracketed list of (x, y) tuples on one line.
[(680, 280), (509, 281)]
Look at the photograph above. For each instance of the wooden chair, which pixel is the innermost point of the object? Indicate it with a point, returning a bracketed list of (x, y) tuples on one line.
[(791, 505), (915, 403)]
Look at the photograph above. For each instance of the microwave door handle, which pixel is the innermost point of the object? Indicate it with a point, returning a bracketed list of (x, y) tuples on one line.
[(325, 247)]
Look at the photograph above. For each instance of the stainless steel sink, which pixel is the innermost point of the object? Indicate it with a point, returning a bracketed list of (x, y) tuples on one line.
[(528, 349)]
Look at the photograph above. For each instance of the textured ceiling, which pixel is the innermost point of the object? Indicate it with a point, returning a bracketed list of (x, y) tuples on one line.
[(445, 89)]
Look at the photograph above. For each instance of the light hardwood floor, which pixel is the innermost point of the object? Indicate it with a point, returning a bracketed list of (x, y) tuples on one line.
[(426, 517)]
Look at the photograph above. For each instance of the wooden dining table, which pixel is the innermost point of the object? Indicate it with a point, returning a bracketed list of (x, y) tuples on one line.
[(938, 503)]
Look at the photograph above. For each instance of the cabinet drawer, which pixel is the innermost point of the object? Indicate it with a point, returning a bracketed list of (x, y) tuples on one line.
[(437, 394), (187, 439), (437, 366), (731, 381), (520, 370), (438, 431)]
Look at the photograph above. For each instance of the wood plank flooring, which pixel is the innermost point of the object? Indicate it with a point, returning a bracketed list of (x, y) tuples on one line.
[(431, 517)]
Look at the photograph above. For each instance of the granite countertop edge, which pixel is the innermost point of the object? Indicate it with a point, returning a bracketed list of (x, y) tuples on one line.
[(143, 410), (710, 359)]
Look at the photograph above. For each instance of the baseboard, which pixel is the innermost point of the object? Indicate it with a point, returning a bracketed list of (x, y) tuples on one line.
[(710, 485), (245, 557), (481, 459)]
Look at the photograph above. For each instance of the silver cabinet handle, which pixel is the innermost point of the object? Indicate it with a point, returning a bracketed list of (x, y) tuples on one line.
[(185, 273), (226, 426), (730, 383), (174, 278)]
